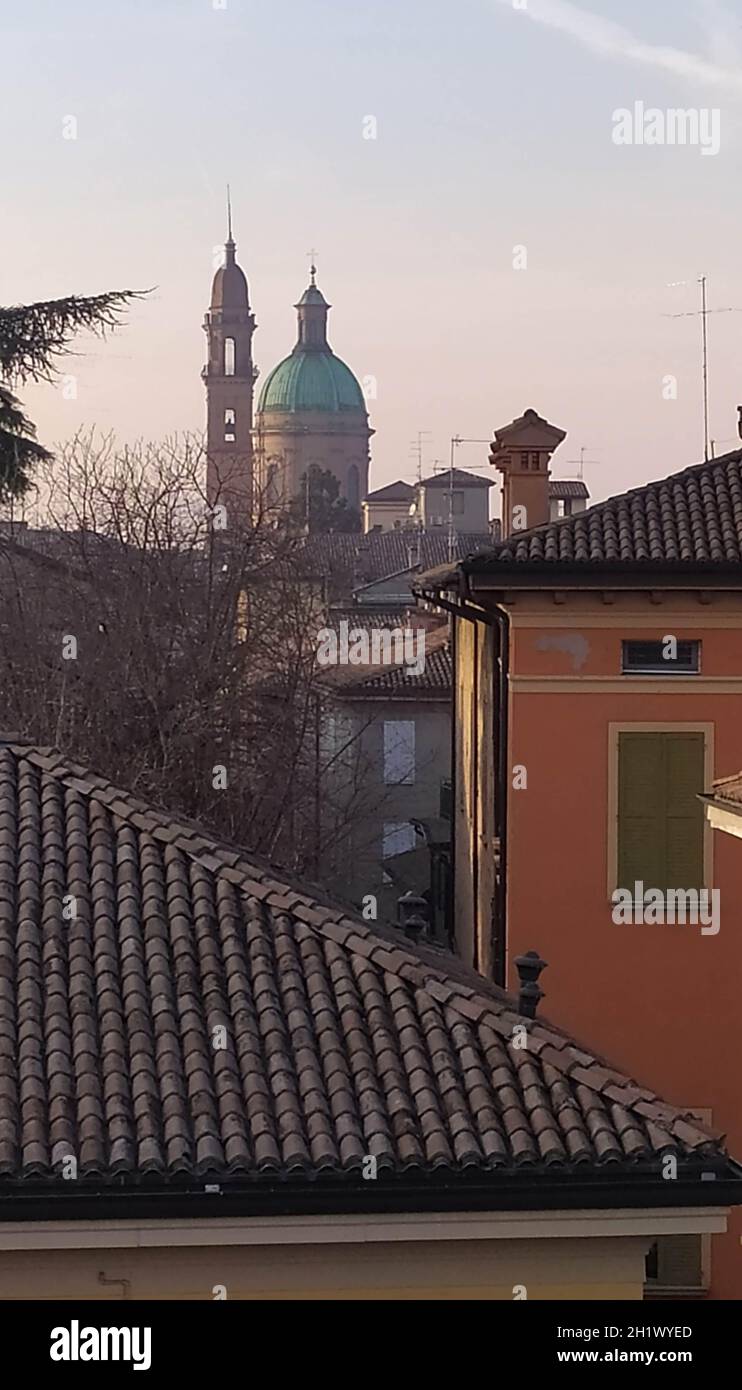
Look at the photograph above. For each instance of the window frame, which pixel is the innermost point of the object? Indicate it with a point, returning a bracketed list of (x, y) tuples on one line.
[(409, 773), (615, 728), (661, 667)]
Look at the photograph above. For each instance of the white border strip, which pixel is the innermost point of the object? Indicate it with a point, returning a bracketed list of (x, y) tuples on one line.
[(356, 1230)]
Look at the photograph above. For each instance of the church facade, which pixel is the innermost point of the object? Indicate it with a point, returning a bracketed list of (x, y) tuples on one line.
[(311, 410)]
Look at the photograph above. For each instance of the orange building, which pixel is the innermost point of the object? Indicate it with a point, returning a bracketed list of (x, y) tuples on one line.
[(598, 676)]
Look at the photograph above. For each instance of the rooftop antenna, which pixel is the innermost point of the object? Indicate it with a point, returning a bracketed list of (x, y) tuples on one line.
[(418, 448), (455, 442), (703, 313), (580, 463)]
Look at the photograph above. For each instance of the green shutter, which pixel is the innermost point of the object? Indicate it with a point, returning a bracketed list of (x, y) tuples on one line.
[(641, 810), (684, 837), (660, 820)]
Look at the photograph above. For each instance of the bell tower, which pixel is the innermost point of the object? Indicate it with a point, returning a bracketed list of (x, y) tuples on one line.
[(229, 377)]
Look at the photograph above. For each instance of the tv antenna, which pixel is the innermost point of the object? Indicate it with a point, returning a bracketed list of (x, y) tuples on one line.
[(702, 313), (581, 461), (418, 449), (456, 441)]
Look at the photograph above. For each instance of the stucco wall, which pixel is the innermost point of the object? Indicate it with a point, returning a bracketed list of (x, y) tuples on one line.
[(677, 987), (578, 1269), (475, 515)]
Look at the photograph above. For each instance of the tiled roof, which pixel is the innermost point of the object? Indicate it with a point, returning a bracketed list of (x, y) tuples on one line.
[(461, 478), (567, 487), (379, 554), (367, 615), (437, 676), (396, 680), (393, 492), (339, 1038), (693, 517)]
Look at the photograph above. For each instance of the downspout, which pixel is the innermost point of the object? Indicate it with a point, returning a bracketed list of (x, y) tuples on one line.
[(501, 734), (450, 904)]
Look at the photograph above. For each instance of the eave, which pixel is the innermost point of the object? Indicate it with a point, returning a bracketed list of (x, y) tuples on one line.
[(541, 1188)]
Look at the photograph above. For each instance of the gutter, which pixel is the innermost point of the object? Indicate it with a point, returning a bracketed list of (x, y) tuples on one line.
[(540, 1189), (585, 576)]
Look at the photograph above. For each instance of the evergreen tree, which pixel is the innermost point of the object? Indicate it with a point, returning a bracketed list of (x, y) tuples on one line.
[(31, 337), (318, 506)]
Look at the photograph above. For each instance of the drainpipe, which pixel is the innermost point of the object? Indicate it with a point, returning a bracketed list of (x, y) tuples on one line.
[(502, 795), (450, 904)]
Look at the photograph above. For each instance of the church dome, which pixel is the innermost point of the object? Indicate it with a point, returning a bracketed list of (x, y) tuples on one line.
[(311, 380)]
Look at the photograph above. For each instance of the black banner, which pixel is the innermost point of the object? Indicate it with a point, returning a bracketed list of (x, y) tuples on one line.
[(152, 1341)]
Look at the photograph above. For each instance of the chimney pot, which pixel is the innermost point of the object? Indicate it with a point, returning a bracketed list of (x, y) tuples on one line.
[(412, 915), (529, 968)]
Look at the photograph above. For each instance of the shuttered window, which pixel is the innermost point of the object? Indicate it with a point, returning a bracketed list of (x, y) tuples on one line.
[(675, 1265), (660, 820)]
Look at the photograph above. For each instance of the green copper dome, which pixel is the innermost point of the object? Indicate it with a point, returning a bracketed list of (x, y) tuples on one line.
[(311, 380)]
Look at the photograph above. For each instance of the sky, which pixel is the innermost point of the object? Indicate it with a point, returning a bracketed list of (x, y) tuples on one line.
[(495, 126)]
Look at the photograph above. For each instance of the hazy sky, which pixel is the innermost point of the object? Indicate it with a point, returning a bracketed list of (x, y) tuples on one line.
[(495, 122)]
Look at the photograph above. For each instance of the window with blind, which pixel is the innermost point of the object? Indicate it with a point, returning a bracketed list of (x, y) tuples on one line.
[(675, 1266), (660, 819)]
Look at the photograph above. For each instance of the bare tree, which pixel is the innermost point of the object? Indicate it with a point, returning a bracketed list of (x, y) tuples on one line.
[(150, 636)]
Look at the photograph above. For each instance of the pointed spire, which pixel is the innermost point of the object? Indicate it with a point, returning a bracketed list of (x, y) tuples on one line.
[(313, 265), (229, 288)]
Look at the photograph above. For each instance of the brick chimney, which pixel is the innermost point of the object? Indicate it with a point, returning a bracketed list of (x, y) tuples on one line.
[(522, 451)]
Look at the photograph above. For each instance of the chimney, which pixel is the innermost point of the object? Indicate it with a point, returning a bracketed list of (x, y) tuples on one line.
[(521, 451), (529, 968), (412, 915)]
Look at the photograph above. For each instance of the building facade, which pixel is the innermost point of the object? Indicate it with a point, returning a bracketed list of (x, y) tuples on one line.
[(598, 675)]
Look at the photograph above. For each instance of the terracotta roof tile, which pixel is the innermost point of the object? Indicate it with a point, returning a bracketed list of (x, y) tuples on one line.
[(202, 1017), (691, 518)]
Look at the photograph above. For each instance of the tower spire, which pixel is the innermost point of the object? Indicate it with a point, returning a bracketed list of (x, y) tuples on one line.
[(229, 217)]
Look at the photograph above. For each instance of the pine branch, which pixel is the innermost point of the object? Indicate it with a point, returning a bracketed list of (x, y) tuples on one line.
[(32, 335), (19, 450)]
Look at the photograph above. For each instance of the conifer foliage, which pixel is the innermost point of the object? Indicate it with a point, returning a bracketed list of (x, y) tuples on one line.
[(32, 336)]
